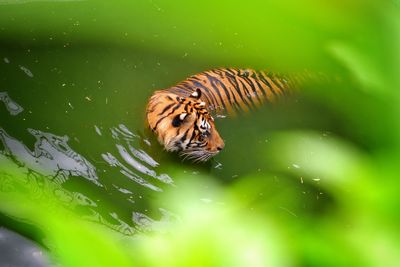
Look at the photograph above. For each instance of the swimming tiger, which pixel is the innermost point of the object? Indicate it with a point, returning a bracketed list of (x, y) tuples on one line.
[(180, 116)]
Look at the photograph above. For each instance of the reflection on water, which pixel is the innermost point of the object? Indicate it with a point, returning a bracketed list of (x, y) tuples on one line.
[(52, 163), (150, 225), (134, 158), (11, 105), (52, 157), (137, 161)]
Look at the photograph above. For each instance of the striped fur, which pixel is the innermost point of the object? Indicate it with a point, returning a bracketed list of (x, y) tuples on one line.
[(235, 90), (180, 115)]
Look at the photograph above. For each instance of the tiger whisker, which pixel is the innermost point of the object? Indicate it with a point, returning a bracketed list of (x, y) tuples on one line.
[(190, 154), (201, 156), (196, 155)]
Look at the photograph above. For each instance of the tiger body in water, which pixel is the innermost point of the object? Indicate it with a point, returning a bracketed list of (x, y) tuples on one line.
[(181, 116)]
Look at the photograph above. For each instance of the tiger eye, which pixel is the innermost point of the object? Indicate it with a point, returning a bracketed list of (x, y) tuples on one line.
[(176, 121)]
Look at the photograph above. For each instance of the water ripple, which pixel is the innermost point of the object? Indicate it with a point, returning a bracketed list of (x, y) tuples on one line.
[(12, 106), (51, 157)]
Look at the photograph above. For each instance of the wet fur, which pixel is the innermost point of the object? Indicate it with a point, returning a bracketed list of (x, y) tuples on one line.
[(179, 116), (183, 124)]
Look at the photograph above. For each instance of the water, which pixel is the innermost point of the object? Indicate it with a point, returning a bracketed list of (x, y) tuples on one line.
[(76, 116), (82, 129), (75, 77)]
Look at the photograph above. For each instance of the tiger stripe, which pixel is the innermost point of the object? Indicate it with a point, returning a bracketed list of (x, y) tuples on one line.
[(181, 116), (236, 90)]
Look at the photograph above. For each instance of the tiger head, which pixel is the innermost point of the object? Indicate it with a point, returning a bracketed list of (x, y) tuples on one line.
[(183, 124)]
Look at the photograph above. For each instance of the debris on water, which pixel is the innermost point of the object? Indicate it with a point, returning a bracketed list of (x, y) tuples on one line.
[(6, 60), (70, 105), (97, 129), (218, 166), (147, 142), (26, 70), (220, 116), (63, 84), (235, 176), (88, 98), (301, 180), (296, 166), (317, 179)]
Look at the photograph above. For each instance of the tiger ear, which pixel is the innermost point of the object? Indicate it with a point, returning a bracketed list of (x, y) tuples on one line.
[(178, 119), (196, 94)]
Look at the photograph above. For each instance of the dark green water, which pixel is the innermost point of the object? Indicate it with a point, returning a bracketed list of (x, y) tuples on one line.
[(76, 115)]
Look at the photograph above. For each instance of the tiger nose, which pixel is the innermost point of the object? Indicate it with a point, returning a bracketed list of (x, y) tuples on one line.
[(221, 146)]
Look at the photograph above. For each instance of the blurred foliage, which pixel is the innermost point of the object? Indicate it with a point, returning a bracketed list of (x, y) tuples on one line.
[(254, 220)]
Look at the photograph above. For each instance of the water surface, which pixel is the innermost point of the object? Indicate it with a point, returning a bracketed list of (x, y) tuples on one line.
[(75, 115)]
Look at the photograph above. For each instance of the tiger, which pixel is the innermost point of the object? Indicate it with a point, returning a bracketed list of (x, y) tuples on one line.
[(181, 116)]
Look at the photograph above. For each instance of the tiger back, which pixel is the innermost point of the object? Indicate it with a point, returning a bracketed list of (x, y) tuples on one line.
[(181, 116)]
